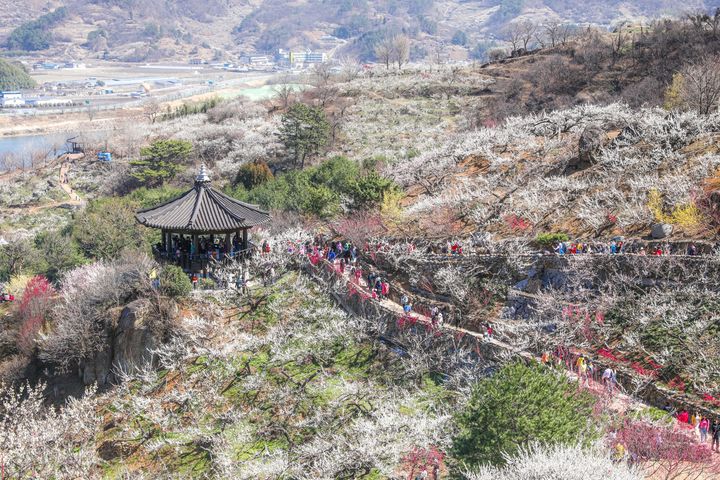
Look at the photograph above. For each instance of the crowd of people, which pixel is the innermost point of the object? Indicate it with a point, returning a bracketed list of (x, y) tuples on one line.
[(344, 256), (454, 248), (583, 366), (615, 247), (183, 248)]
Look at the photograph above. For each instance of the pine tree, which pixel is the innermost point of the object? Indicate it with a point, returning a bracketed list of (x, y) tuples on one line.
[(161, 161), (304, 131), (517, 406)]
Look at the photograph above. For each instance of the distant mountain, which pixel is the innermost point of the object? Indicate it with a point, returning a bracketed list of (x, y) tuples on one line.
[(139, 30)]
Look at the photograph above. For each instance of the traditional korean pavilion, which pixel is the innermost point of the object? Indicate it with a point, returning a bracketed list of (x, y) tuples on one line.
[(203, 224)]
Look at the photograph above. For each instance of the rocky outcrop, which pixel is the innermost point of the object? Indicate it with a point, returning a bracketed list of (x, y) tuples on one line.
[(134, 338), (592, 139), (98, 369), (128, 346), (661, 230)]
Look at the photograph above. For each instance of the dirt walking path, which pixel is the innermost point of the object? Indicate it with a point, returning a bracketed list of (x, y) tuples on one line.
[(75, 199)]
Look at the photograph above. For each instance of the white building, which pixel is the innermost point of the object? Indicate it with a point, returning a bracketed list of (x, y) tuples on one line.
[(257, 60), (307, 57), (11, 99), (50, 102)]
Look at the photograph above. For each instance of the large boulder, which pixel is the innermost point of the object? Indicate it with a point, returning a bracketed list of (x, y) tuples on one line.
[(661, 230), (592, 139)]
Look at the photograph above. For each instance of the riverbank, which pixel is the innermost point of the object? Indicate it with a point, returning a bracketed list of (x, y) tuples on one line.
[(22, 126)]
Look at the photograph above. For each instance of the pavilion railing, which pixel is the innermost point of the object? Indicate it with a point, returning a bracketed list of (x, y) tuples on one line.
[(201, 261)]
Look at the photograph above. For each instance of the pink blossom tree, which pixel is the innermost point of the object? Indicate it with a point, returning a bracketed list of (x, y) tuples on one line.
[(666, 453), (32, 312)]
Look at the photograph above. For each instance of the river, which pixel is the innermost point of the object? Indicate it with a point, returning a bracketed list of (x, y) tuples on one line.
[(25, 150)]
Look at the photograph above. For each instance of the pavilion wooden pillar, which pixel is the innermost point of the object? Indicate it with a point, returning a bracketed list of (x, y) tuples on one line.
[(228, 244), (245, 239), (195, 244)]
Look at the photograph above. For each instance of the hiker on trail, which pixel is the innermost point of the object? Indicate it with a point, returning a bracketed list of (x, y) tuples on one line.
[(619, 453), (582, 372), (704, 428), (715, 430), (683, 417), (342, 266), (580, 363), (385, 289), (439, 318), (404, 300), (607, 379), (331, 256), (371, 280), (239, 281), (194, 281), (692, 249), (406, 308), (613, 247), (434, 317), (378, 287), (265, 247), (658, 251)]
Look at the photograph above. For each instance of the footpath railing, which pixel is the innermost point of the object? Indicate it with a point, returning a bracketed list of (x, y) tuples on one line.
[(355, 298)]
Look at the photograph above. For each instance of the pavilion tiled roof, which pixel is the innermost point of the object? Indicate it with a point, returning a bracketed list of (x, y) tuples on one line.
[(203, 209)]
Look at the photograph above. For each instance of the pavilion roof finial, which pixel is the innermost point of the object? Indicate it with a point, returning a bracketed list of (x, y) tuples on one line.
[(203, 175)]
